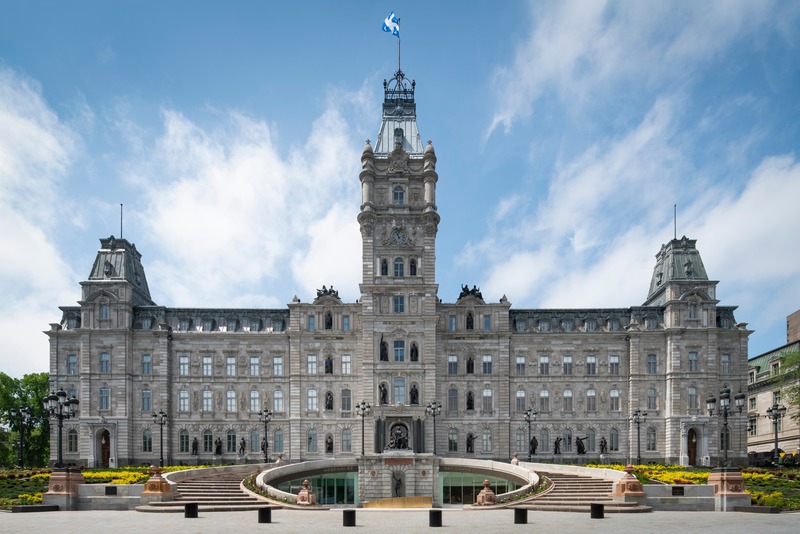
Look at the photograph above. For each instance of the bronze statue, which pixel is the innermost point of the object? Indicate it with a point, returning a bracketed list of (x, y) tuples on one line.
[(384, 394), (533, 444), (470, 442), (194, 447), (603, 445), (557, 446), (218, 447), (414, 394), (579, 444), (384, 350), (242, 444)]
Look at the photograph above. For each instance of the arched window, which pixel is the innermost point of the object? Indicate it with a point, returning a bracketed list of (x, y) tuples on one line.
[(591, 440), (566, 444), (452, 440), (544, 440), (312, 440), (487, 440), (347, 440), (230, 441), (521, 440), (147, 440), (208, 441), (398, 195), (183, 440), (567, 400), (613, 444), (398, 267), (277, 440), (255, 440), (651, 438), (412, 267)]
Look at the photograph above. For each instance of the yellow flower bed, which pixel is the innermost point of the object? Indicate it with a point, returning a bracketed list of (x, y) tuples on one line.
[(114, 477), (27, 498)]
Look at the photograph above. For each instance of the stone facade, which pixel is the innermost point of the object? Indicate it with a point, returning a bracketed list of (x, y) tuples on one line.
[(398, 347)]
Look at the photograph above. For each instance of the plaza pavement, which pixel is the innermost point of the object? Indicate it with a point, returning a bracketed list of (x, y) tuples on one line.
[(397, 522)]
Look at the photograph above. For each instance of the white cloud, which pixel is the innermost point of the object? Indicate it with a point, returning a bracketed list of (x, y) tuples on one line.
[(36, 151)]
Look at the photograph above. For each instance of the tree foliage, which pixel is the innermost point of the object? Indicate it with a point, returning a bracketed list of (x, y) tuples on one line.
[(28, 391), (790, 383)]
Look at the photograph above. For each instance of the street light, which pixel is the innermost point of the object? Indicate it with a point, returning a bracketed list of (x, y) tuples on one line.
[(362, 409), (434, 408), (776, 413), (530, 415), (639, 418), (724, 406), (55, 405), (160, 419), (265, 415), (24, 416)]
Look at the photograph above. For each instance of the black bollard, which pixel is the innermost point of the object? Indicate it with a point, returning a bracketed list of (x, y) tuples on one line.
[(348, 517), (435, 518), (597, 510), (520, 516), (265, 515), (190, 509)]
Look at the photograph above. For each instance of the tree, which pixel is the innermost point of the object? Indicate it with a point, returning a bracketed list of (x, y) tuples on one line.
[(29, 391), (790, 382)]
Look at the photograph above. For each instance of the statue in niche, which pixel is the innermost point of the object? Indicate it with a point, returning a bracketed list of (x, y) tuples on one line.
[(579, 444), (218, 447), (384, 268), (329, 401), (603, 445), (470, 442), (328, 321), (329, 444), (398, 439), (532, 445), (470, 401), (470, 321), (384, 350), (557, 446), (414, 394), (195, 446), (384, 394), (398, 484), (414, 353), (470, 366)]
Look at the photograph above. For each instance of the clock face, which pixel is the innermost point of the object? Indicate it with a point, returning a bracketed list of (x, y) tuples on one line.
[(398, 236)]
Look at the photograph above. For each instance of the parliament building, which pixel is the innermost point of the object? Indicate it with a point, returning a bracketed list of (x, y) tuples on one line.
[(580, 374)]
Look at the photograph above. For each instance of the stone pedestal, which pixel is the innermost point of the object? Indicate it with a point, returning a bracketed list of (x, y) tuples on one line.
[(157, 489), (306, 495), (629, 487), (486, 497), (63, 489), (729, 491)]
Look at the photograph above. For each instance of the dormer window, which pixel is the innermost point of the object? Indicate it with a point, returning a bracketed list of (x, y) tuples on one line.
[(398, 195), (208, 325), (147, 323)]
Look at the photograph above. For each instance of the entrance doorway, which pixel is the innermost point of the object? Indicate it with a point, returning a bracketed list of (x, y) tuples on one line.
[(105, 448), (691, 446)]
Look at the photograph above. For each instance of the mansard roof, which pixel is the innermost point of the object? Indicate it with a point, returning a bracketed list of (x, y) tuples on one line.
[(399, 123), (677, 261), (119, 260)]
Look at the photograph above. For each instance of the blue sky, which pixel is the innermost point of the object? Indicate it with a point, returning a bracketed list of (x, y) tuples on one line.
[(232, 131)]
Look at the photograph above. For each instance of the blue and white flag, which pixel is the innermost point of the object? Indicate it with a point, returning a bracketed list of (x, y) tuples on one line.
[(392, 25)]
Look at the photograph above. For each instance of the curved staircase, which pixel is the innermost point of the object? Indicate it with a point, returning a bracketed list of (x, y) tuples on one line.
[(218, 493), (575, 493)]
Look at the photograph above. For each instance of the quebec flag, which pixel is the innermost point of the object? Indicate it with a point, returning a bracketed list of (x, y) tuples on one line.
[(392, 25)]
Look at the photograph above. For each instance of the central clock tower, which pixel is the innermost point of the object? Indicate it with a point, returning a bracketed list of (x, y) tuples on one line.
[(399, 222)]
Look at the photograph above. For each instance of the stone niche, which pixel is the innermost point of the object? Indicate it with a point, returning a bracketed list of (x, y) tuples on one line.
[(399, 474)]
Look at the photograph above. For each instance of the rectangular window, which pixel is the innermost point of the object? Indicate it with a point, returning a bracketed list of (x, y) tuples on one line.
[(614, 396), (183, 365), (183, 401), (567, 365), (521, 404), (544, 365), (231, 441), (520, 365), (567, 400), (254, 401), (105, 401), (147, 441), (345, 364), (487, 404), (207, 401), (72, 364), (751, 403), (487, 323), (347, 440), (693, 398), (591, 365), (400, 390), (776, 397), (652, 364), (72, 441), (752, 427), (487, 364), (277, 366), (147, 398), (399, 351), (277, 402), (651, 399), (208, 442), (105, 362), (312, 364), (103, 312), (147, 364), (591, 401), (725, 364), (452, 400), (452, 364), (398, 268), (230, 401), (692, 362), (312, 399), (399, 304), (451, 324), (346, 401), (230, 365), (346, 323), (206, 365), (255, 365), (613, 365), (544, 401), (184, 441), (312, 323)]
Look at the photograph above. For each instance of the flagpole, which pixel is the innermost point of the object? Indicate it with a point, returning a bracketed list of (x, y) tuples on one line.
[(398, 48)]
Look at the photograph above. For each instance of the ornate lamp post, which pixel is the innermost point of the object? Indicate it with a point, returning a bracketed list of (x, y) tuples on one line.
[(776, 413), (265, 415), (724, 406), (362, 409), (160, 419), (24, 416), (59, 407), (639, 417), (434, 408), (530, 415)]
